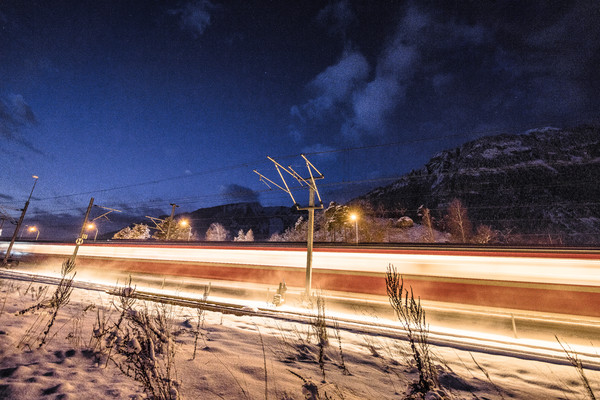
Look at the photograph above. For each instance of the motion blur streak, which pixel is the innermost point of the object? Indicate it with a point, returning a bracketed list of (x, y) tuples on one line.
[(563, 270), (566, 282)]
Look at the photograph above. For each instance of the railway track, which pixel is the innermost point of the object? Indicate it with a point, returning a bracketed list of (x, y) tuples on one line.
[(545, 351)]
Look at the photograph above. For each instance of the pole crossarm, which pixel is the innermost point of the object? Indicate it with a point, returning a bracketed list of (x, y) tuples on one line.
[(313, 185), (154, 219), (310, 181), (312, 190), (6, 217), (286, 189), (109, 210)]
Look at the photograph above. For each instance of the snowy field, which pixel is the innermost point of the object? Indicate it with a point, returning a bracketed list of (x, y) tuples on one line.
[(236, 357)]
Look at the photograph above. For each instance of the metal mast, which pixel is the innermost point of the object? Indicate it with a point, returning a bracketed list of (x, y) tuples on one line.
[(312, 187)]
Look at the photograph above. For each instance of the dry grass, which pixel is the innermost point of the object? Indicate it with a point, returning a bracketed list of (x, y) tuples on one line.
[(412, 318), (578, 365)]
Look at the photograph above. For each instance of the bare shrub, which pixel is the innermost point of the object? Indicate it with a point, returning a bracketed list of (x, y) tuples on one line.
[(145, 351), (139, 343), (75, 335), (60, 298), (126, 301), (485, 234), (487, 375), (412, 317), (578, 365), (338, 336), (3, 304), (319, 326), (200, 312), (427, 221)]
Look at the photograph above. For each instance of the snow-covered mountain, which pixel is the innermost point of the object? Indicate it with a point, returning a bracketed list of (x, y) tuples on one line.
[(542, 186)]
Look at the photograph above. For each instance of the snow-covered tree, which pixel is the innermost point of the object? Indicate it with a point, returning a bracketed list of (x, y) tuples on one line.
[(337, 217), (297, 233), (139, 231), (244, 237), (177, 231), (216, 233)]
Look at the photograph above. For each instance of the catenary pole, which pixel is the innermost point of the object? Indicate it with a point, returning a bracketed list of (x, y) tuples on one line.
[(82, 235), (173, 205), (312, 186), (18, 227), (310, 240)]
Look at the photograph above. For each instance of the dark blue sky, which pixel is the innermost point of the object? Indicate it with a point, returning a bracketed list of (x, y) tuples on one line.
[(162, 101)]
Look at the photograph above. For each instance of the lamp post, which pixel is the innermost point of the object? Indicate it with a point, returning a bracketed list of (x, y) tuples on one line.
[(185, 223), (34, 229), (93, 226), (354, 218)]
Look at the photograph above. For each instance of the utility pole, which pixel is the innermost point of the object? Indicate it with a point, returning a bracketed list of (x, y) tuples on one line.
[(312, 187), (18, 227), (82, 235), (310, 238), (173, 205), (92, 225)]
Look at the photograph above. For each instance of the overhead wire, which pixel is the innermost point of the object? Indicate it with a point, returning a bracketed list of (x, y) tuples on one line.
[(411, 177)]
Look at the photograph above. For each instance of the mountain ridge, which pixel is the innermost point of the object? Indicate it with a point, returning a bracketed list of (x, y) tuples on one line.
[(541, 184)]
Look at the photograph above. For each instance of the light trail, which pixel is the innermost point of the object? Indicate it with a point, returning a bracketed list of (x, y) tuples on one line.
[(565, 271), (513, 280), (462, 339)]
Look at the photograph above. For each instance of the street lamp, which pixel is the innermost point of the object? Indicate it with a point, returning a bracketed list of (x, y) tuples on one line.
[(93, 226), (185, 223), (34, 229), (354, 217)]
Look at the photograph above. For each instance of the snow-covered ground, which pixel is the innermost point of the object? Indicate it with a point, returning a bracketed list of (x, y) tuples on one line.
[(244, 357)]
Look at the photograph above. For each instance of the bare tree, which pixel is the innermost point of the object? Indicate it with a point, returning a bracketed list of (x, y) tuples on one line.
[(458, 221), (427, 220), (485, 234)]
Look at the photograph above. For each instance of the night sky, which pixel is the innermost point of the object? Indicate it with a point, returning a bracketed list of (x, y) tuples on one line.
[(145, 103)]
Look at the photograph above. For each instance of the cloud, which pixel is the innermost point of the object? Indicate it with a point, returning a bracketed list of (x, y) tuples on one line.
[(347, 88), (194, 17), (459, 67), (333, 87), (16, 118), (6, 197), (237, 193), (337, 16), (379, 97), (15, 115)]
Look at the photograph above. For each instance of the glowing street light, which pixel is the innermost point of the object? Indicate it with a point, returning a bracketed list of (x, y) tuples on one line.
[(184, 223), (34, 229), (93, 226), (354, 217)]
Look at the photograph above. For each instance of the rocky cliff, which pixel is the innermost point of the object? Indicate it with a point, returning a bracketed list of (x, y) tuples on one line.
[(542, 185)]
